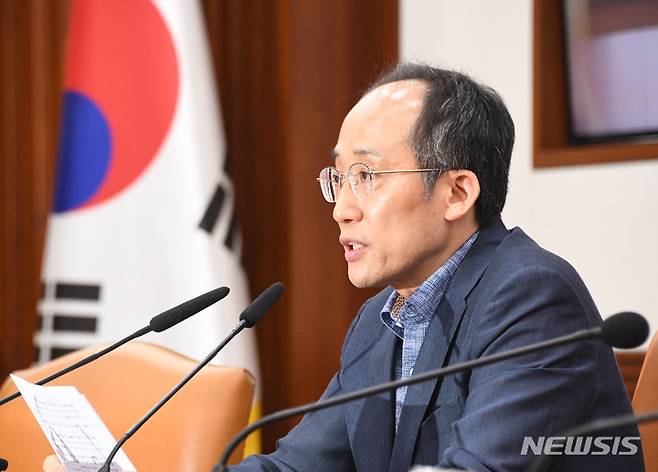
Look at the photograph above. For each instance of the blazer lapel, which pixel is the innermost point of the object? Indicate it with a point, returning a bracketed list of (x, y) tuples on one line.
[(436, 347), (433, 355), (374, 417)]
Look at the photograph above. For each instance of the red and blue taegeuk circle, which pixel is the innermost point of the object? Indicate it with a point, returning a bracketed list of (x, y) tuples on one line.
[(121, 87)]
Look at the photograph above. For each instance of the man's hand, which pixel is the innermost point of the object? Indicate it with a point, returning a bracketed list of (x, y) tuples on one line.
[(52, 464)]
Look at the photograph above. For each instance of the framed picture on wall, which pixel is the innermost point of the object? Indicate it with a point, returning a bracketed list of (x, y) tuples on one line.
[(611, 66)]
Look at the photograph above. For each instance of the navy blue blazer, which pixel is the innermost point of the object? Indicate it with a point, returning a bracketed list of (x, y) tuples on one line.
[(508, 292)]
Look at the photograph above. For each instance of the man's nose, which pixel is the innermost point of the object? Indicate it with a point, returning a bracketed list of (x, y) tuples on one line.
[(347, 207)]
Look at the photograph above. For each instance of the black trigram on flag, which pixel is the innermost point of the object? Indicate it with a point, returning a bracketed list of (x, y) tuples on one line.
[(68, 318), (216, 210)]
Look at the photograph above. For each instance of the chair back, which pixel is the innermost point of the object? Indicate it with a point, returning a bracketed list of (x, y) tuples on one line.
[(187, 434), (646, 399)]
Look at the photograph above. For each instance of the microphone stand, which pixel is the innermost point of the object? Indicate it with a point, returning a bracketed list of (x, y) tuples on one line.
[(106, 466), (248, 319)]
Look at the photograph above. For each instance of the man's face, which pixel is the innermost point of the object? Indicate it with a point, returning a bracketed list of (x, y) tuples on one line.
[(400, 235)]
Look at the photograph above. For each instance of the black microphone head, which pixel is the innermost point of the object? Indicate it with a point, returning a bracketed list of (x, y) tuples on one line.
[(625, 330), (256, 309), (175, 315)]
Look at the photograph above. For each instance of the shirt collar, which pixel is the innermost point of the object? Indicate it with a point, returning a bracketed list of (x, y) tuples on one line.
[(420, 307)]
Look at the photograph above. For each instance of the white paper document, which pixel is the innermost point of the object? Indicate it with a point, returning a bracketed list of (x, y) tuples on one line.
[(78, 436)]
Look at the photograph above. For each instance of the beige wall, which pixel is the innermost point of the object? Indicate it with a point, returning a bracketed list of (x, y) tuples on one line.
[(602, 218)]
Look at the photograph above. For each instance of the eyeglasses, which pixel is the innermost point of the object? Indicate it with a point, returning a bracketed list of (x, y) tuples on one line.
[(360, 177)]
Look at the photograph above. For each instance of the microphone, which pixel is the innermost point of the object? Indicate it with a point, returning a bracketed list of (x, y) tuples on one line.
[(158, 323), (175, 315), (3, 464), (248, 318), (623, 330)]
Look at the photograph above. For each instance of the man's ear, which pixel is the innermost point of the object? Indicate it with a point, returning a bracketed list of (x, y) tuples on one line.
[(463, 191)]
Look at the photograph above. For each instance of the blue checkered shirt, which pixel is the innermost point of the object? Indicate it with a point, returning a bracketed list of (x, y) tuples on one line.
[(415, 315)]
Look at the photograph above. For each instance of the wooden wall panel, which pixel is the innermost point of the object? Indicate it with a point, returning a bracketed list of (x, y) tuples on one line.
[(288, 72), (335, 55), (248, 56), (31, 52)]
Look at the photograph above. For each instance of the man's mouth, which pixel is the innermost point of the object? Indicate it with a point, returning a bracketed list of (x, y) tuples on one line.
[(353, 249)]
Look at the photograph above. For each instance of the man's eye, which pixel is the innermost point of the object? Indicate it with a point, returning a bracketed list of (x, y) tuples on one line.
[(364, 176)]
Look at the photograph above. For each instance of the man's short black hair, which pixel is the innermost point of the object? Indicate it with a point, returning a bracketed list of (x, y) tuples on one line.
[(462, 125)]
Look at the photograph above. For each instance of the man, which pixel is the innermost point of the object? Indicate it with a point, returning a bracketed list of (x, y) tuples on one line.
[(418, 185), (419, 182)]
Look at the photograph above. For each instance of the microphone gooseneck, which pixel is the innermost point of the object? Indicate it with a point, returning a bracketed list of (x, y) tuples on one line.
[(158, 323), (249, 317), (620, 321)]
